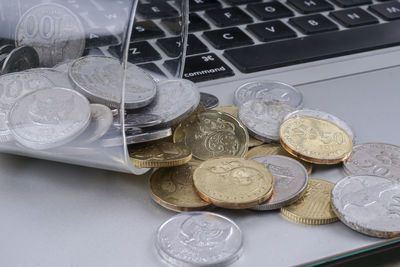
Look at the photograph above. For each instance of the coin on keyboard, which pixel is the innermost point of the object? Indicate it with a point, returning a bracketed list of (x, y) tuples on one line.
[(290, 181), (19, 59), (209, 101), (368, 204), (49, 117), (263, 118), (233, 183), (315, 140), (15, 86), (325, 116), (314, 206), (159, 154), (374, 159), (274, 149), (54, 31), (199, 239), (173, 188), (100, 79), (269, 90), (58, 78)]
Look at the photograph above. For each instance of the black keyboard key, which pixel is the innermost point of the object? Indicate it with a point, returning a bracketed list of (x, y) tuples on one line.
[(230, 16), (387, 11), (156, 10), (349, 3), (202, 68), (146, 30), (172, 46), (354, 17), (315, 47), (227, 38), (153, 70), (269, 31), (310, 6), (195, 24), (198, 5), (313, 24), (138, 52), (98, 37), (241, 2), (270, 10)]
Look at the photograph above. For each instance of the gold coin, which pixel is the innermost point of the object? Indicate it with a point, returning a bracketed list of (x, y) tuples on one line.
[(214, 134), (233, 183), (159, 154), (315, 140), (314, 206), (274, 149), (173, 188)]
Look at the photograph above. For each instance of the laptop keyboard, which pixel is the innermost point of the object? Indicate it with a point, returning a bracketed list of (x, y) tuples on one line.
[(255, 35)]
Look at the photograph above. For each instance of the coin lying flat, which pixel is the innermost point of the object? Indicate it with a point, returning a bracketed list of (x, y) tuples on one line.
[(58, 78), (368, 204), (374, 159), (49, 117), (315, 140), (159, 154), (209, 101), (233, 183), (199, 239), (290, 181), (100, 79), (142, 120), (21, 58), (263, 118), (173, 188), (133, 137), (314, 206), (63, 66), (269, 90)]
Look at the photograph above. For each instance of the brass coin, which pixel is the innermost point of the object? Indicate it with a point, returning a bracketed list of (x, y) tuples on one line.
[(181, 128), (233, 110), (274, 149), (159, 154), (315, 140), (233, 183), (314, 206), (173, 188), (215, 134)]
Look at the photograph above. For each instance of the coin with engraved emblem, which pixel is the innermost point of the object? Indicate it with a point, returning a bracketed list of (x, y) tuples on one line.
[(209, 101), (58, 78), (21, 58), (54, 31), (374, 159), (199, 239), (314, 206), (233, 183), (290, 181), (263, 118), (49, 117), (159, 154), (173, 188), (368, 204), (315, 140), (269, 90)]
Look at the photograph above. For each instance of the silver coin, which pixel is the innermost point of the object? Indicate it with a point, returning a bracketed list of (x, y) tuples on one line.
[(58, 78), (175, 101), (13, 86), (63, 66), (21, 58), (6, 49), (374, 159), (208, 101), (140, 120), (54, 31), (290, 180), (325, 116), (114, 136), (269, 90), (136, 138), (368, 204), (100, 79), (49, 117), (199, 239), (263, 118)]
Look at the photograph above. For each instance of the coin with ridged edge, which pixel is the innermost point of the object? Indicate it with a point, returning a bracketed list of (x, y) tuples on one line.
[(233, 183), (314, 206), (209, 101)]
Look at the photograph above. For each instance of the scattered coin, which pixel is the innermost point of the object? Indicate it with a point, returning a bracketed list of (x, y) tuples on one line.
[(63, 66), (141, 120), (173, 188), (58, 78), (290, 181), (269, 90), (263, 118), (147, 136), (159, 154), (233, 183), (314, 206), (49, 117), (374, 159), (368, 204), (199, 239), (6, 49), (315, 140), (209, 101), (21, 58)]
